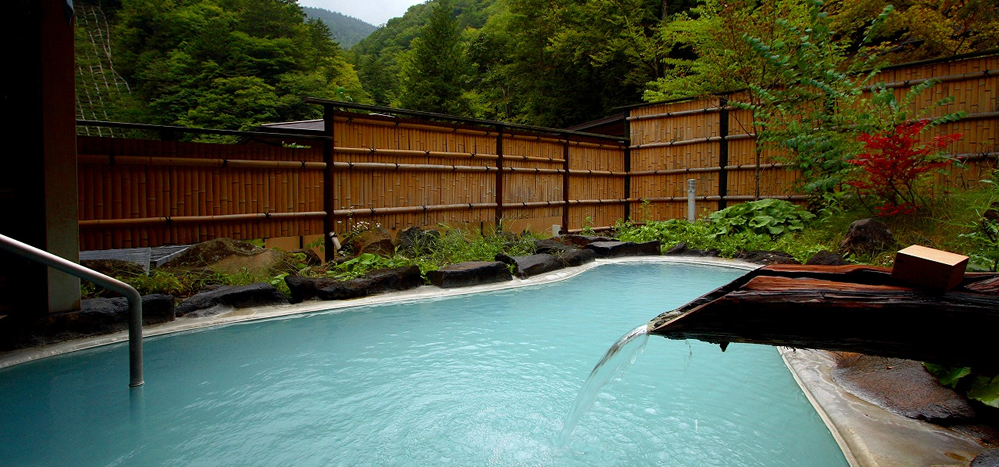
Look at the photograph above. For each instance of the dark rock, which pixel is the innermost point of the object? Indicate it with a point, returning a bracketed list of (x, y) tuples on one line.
[(613, 249), (988, 458), (680, 249), (225, 298), (374, 282), (551, 247), (97, 316), (826, 258), (572, 258), (415, 240), (527, 266), (210, 252), (470, 273), (311, 257), (901, 386), (156, 308), (767, 257), (376, 240), (867, 236), (580, 241)]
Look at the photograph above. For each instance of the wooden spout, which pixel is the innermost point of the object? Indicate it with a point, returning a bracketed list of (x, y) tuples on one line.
[(845, 308)]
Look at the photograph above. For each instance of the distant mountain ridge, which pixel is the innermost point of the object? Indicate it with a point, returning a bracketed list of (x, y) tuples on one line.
[(347, 30)]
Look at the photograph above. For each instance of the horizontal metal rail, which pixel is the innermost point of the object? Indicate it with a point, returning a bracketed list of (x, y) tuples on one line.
[(71, 268)]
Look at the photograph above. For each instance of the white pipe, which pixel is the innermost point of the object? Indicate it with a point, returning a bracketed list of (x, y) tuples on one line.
[(691, 205)]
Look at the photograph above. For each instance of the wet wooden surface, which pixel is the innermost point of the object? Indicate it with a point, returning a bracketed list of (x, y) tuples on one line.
[(846, 308)]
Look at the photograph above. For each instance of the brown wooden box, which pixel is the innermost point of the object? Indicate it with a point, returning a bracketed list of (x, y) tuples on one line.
[(929, 268)]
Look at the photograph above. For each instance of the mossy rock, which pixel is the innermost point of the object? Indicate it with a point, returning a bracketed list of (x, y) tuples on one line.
[(204, 254)]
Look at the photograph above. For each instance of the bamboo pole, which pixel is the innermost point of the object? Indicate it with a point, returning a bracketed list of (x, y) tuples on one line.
[(96, 223)]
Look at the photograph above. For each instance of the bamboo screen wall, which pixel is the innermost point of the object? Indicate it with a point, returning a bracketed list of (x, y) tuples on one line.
[(148, 193), (710, 142), (454, 174), (382, 170), (403, 172)]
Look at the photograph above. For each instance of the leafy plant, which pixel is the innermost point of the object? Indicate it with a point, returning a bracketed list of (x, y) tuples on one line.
[(984, 238), (894, 164), (362, 264), (764, 217), (588, 226), (981, 387)]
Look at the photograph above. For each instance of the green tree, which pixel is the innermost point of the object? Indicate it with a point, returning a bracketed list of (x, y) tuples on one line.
[(434, 71), (922, 29), (228, 63)]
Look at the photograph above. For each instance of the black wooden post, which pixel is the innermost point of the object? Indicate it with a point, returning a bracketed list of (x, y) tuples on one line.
[(499, 177), (565, 186), (627, 169), (329, 200), (722, 153)]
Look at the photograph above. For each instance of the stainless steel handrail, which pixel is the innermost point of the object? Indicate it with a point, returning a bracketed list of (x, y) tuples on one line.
[(69, 267)]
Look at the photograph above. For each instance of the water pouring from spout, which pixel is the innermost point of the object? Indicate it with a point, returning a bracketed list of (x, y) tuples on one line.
[(619, 357)]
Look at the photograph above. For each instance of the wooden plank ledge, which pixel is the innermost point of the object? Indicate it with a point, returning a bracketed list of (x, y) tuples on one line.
[(845, 308)]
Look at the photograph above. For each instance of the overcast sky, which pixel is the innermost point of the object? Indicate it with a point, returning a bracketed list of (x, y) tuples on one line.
[(376, 12)]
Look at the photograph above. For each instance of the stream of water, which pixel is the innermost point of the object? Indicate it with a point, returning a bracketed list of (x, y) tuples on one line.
[(618, 358)]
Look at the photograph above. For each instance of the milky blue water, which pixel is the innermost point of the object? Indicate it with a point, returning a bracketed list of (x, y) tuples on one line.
[(485, 379)]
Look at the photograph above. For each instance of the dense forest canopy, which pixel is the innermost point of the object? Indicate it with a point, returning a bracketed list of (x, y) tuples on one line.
[(223, 63), (346, 30), (238, 63)]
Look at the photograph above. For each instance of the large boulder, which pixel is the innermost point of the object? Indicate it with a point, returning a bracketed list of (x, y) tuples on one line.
[(532, 265), (577, 257), (414, 240), (551, 247), (105, 315), (580, 241), (374, 282), (681, 249), (826, 258), (767, 257), (225, 298), (615, 249), (901, 386), (375, 240), (470, 273), (201, 255), (989, 458), (867, 236), (227, 256)]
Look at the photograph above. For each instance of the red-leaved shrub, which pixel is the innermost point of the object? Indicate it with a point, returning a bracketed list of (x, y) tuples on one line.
[(893, 164)]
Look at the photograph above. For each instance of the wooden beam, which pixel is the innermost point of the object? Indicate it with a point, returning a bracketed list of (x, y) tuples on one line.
[(856, 309)]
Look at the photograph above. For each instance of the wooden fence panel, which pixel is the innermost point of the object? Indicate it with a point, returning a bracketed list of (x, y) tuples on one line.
[(665, 150), (399, 172)]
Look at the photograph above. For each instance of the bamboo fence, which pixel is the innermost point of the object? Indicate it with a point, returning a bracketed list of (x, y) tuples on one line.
[(386, 171), (712, 143), (416, 169)]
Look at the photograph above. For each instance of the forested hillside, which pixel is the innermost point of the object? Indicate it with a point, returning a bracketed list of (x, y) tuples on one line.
[(557, 63), (222, 63), (347, 30), (239, 63)]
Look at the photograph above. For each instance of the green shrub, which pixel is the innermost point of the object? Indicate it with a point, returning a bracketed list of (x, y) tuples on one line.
[(362, 264), (772, 217)]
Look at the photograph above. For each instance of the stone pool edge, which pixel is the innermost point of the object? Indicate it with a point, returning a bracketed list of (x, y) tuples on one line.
[(869, 435), (426, 292)]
